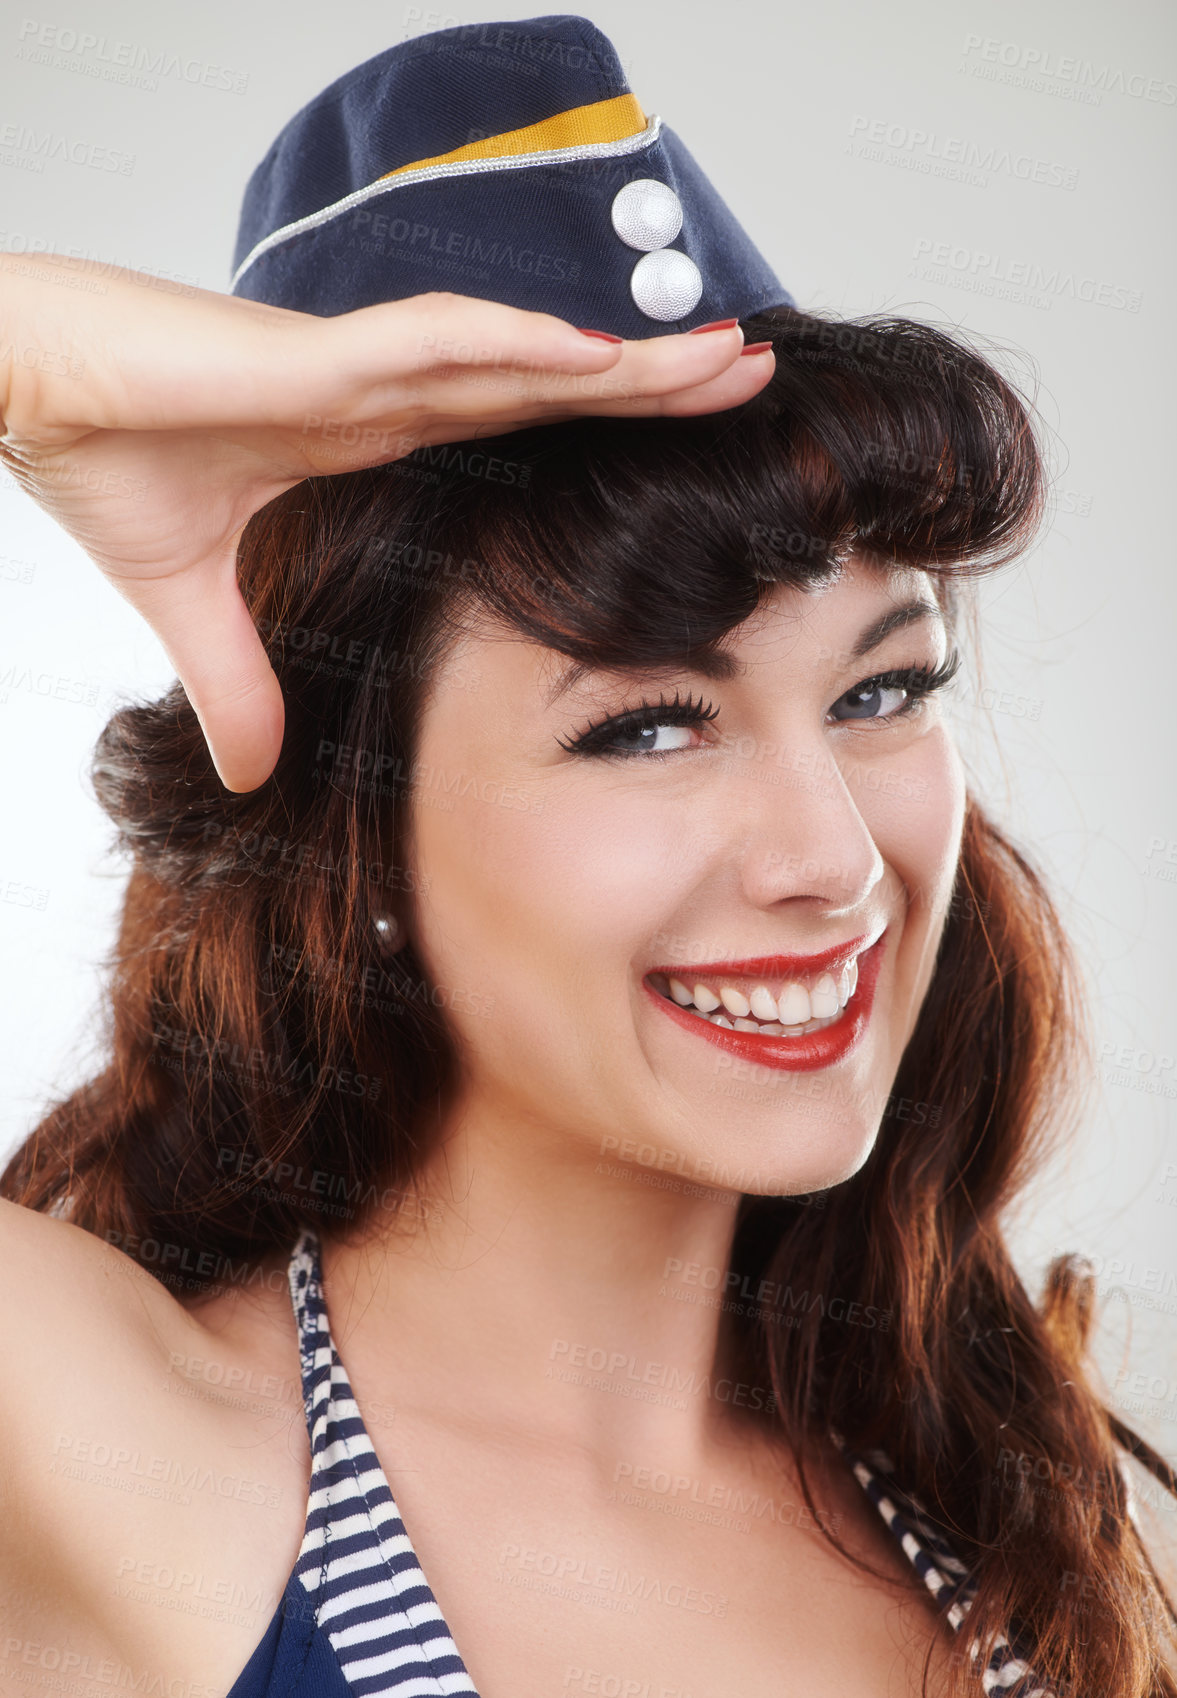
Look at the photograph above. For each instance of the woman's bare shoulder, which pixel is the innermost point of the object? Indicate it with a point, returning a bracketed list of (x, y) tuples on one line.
[(79, 1311), (84, 1333), (69, 1284), (137, 1426)]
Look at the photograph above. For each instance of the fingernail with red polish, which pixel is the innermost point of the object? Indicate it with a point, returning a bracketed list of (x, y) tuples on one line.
[(603, 334), (716, 324), (755, 347)]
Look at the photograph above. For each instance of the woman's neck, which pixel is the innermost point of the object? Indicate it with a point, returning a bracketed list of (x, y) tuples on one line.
[(547, 1290)]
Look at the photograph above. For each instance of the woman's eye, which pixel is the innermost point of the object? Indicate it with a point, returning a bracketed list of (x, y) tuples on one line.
[(655, 729), (661, 739), (659, 729), (872, 700)]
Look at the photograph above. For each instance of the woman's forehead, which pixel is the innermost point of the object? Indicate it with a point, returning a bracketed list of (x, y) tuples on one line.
[(864, 596)]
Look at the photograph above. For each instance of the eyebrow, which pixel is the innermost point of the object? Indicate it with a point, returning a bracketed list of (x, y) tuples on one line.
[(907, 613), (720, 665)]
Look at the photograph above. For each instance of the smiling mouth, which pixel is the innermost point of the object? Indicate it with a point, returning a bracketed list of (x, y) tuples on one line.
[(792, 1009)]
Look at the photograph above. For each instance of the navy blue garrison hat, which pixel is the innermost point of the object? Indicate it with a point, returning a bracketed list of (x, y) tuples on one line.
[(507, 161)]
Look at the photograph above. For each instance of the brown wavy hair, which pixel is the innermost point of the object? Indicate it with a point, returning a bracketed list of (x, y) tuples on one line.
[(270, 1063)]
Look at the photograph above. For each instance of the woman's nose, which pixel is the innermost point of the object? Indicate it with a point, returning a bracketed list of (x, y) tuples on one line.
[(801, 832)]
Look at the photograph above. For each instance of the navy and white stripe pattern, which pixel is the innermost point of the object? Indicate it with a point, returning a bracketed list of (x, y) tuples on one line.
[(372, 1599), (941, 1570)]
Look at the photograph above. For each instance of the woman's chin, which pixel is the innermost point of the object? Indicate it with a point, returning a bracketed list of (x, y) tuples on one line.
[(790, 1155)]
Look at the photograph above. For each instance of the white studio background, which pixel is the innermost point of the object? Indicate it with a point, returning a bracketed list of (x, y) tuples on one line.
[(996, 166)]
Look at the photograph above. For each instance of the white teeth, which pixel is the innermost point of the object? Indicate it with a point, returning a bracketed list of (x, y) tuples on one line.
[(771, 1028), (793, 1005), (798, 1008)]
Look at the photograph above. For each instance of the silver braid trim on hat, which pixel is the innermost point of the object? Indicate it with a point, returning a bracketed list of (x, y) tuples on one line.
[(456, 168)]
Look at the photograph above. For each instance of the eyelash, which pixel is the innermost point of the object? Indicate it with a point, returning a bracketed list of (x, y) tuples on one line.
[(920, 682)]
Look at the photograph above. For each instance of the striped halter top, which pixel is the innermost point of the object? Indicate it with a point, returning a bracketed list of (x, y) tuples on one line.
[(358, 1618)]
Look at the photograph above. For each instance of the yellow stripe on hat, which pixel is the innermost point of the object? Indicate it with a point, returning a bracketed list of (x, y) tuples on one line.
[(598, 121)]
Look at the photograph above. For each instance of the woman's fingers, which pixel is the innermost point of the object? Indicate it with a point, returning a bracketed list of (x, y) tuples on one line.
[(469, 366), (729, 388), (440, 334), (461, 356), (145, 360), (210, 638)]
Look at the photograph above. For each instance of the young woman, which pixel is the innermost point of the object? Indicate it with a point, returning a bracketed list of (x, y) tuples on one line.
[(573, 1033)]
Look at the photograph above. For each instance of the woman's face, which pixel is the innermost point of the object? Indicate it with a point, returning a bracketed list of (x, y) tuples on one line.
[(561, 892)]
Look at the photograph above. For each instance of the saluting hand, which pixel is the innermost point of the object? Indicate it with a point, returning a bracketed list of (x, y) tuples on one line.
[(153, 425)]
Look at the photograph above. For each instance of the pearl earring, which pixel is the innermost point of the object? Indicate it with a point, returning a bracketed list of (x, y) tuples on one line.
[(387, 929)]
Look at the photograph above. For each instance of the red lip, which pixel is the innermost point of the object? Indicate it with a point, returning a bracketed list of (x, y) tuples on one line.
[(772, 966), (803, 1054)]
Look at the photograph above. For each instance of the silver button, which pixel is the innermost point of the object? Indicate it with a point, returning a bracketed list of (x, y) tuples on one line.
[(666, 284), (647, 214)]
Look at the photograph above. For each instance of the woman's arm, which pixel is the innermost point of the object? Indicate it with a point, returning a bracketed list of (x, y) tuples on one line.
[(83, 1329)]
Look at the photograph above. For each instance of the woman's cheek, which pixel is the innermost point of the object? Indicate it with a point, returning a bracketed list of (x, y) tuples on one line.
[(557, 893), (912, 798)]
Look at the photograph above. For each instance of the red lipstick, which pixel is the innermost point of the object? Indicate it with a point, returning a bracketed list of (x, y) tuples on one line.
[(798, 1054), (772, 966)]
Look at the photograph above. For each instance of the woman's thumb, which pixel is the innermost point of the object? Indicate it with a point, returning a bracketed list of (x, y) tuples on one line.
[(209, 635)]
